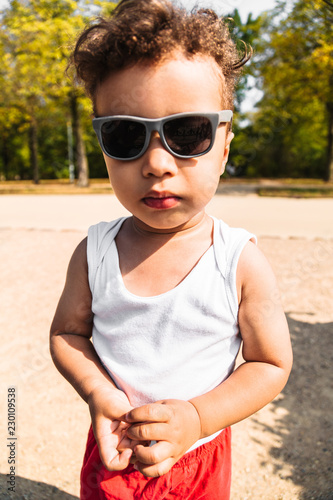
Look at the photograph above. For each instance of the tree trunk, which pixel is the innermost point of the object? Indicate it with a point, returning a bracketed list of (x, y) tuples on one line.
[(33, 147), (329, 167), (5, 157), (80, 150)]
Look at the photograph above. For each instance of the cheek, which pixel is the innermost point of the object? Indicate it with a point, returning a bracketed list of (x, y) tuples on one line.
[(207, 180), (107, 164), (116, 172), (119, 185)]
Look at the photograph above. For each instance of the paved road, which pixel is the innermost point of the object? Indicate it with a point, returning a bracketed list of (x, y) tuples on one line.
[(276, 217)]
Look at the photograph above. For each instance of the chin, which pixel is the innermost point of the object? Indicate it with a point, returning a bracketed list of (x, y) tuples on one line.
[(163, 222)]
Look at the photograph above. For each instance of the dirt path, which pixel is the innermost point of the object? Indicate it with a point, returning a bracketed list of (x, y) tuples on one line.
[(283, 217), (283, 452)]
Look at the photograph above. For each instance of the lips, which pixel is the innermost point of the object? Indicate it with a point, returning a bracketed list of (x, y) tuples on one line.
[(160, 200)]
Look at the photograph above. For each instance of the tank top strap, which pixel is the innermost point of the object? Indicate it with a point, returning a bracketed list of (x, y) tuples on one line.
[(228, 245), (100, 238)]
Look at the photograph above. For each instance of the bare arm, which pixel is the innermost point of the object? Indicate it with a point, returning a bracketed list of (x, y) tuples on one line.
[(71, 349), (266, 349), (74, 355)]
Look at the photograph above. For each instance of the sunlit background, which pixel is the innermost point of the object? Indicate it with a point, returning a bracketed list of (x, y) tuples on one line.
[(283, 120)]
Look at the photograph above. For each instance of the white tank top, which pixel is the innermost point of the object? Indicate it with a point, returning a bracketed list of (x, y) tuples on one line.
[(177, 345)]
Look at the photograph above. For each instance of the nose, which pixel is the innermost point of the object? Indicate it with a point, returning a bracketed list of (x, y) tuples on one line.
[(157, 161)]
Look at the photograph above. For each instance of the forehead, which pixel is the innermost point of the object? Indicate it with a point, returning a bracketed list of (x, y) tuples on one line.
[(174, 85)]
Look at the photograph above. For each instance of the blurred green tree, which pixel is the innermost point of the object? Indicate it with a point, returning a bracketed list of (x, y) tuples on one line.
[(31, 35), (248, 38), (38, 101), (291, 134)]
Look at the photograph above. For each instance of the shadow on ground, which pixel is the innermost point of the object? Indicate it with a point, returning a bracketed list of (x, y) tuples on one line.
[(25, 489), (305, 429)]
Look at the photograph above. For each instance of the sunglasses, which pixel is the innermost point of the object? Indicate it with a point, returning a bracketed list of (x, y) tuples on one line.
[(184, 135)]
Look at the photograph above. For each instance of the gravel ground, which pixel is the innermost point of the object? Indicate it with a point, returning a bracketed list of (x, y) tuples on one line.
[(282, 452)]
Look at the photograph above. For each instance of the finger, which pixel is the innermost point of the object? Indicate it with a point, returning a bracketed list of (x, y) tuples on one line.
[(107, 449), (126, 442), (149, 413), (152, 455), (155, 470), (148, 432), (108, 437), (105, 428), (120, 461)]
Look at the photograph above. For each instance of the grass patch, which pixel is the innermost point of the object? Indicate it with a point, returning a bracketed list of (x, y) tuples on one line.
[(296, 192), (286, 188), (96, 186)]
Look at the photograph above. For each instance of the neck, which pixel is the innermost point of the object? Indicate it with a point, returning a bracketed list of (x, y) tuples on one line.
[(189, 228)]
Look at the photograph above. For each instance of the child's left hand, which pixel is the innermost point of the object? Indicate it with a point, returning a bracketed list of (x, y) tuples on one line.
[(173, 423)]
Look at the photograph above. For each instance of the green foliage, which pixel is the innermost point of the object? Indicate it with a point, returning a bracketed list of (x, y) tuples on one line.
[(36, 39), (288, 135), (247, 37)]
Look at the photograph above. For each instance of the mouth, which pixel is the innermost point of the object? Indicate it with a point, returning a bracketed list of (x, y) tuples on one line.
[(160, 200)]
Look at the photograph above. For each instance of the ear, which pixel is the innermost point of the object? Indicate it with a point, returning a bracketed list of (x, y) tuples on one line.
[(228, 140)]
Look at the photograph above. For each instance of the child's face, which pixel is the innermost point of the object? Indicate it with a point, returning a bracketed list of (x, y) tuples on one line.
[(160, 190)]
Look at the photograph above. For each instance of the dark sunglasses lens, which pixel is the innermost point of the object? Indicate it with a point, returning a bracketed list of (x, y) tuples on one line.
[(123, 138), (188, 136)]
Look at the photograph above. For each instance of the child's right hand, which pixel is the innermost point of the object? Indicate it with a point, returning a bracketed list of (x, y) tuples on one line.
[(108, 407)]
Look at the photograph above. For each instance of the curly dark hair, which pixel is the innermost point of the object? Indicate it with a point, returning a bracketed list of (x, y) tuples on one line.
[(149, 31)]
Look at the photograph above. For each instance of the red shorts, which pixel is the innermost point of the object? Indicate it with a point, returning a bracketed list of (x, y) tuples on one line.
[(204, 473)]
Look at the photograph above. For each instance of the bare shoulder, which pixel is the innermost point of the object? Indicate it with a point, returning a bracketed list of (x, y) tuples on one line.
[(79, 257), (74, 313), (77, 273), (262, 321), (255, 275)]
